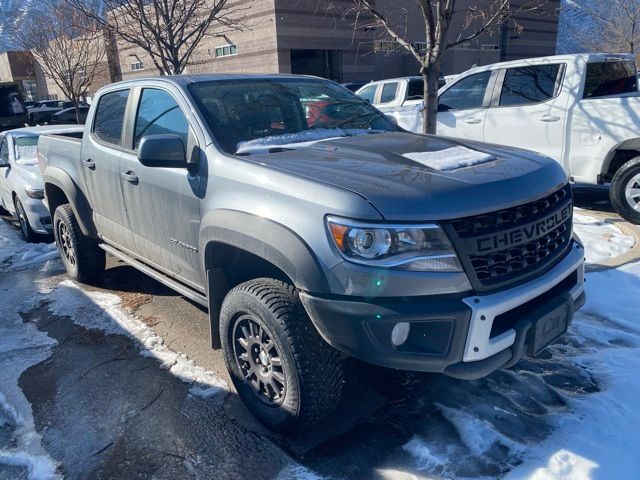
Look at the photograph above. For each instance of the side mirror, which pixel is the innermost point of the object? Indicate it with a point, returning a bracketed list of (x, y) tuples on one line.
[(443, 108), (162, 151), (4, 164)]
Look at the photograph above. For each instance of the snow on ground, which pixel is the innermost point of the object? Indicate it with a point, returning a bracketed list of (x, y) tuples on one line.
[(18, 255), (602, 239)]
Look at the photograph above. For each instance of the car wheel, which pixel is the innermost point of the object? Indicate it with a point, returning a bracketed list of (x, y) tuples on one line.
[(625, 191), (286, 374), (83, 259), (25, 228)]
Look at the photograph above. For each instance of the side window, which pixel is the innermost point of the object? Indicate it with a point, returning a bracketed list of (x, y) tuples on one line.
[(368, 93), (416, 90), (4, 150), (610, 78), (389, 91), (526, 85), (467, 93), (158, 113), (107, 126)]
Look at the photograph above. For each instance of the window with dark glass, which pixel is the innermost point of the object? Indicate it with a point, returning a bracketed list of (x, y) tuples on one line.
[(368, 93), (107, 126), (526, 85), (416, 90), (389, 91), (465, 94), (610, 78), (159, 113)]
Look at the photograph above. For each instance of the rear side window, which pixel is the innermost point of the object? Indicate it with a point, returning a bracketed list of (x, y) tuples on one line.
[(158, 114), (610, 78), (467, 93), (527, 85), (107, 126), (416, 90), (389, 91), (368, 93)]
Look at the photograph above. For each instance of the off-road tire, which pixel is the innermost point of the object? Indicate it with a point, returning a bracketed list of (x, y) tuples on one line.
[(25, 228), (617, 194), (86, 261), (312, 369)]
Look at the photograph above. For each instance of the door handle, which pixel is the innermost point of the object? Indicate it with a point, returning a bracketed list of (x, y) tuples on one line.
[(130, 176), (472, 121), (90, 164), (548, 118)]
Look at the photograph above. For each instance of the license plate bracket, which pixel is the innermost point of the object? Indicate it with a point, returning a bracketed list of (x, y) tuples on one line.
[(551, 323)]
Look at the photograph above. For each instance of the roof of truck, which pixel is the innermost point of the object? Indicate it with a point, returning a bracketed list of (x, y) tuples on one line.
[(46, 129), (187, 79)]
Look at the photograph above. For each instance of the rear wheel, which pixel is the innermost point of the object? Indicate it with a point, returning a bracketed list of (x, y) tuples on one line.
[(83, 259), (27, 232), (286, 374), (625, 191)]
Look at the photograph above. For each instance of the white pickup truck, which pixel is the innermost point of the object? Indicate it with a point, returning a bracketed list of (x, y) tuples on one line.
[(581, 110)]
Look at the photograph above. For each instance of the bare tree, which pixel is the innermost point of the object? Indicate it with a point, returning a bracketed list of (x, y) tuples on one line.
[(169, 31), (68, 49), (477, 17), (611, 26)]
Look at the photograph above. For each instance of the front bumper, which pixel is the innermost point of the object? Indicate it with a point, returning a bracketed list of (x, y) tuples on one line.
[(461, 335), (38, 215)]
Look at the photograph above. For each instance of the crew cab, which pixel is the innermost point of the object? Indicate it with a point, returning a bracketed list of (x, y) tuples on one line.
[(580, 110), (310, 235)]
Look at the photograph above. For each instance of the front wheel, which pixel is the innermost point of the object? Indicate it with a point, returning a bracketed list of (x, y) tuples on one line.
[(27, 232), (83, 259), (625, 191), (285, 373)]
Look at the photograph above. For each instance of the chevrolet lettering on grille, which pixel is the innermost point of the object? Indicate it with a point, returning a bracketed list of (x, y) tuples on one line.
[(519, 235)]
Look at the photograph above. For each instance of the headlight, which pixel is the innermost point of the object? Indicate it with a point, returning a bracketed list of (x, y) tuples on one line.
[(34, 192), (408, 247)]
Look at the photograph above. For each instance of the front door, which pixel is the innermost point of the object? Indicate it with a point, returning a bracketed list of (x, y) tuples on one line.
[(461, 107), (99, 161), (163, 203), (529, 112)]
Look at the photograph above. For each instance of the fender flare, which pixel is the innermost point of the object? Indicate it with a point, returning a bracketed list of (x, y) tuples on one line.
[(266, 239), (54, 176)]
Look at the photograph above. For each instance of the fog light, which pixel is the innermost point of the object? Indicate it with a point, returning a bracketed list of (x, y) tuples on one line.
[(400, 333)]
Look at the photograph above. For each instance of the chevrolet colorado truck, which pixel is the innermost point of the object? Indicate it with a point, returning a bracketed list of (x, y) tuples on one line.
[(311, 240), (580, 110)]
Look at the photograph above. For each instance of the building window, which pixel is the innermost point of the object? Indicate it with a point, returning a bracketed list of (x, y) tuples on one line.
[(385, 46), (487, 46), (226, 50), (137, 66), (420, 46), (463, 46)]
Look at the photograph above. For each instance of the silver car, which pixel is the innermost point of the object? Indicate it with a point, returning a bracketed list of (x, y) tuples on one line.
[(21, 184)]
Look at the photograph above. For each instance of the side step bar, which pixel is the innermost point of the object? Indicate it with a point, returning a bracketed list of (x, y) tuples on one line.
[(156, 275)]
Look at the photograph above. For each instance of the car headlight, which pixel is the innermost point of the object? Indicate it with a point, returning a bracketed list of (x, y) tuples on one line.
[(409, 247), (34, 192)]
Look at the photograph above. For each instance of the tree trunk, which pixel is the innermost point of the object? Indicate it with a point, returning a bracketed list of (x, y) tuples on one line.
[(77, 109), (430, 74)]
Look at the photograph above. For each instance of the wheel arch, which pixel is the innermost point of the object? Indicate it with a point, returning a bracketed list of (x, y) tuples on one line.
[(238, 246), (617, 157)]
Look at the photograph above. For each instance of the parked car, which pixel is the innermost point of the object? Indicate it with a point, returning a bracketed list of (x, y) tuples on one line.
[(68, 115), (581, 110), (354, 86), (305, 243), (395, 92), (13, 113), (43, 111), (21, 184)]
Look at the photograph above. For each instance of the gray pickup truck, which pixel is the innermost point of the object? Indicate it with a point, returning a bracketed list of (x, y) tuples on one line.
[(312, 227)]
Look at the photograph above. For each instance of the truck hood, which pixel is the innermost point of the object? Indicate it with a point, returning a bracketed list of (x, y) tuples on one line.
[(401, 189)]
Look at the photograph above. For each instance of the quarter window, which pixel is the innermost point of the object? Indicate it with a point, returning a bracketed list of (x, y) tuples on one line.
[(107, 126), (526, 85), (610, 78), (389, 91), (158, 114), (467, 93)]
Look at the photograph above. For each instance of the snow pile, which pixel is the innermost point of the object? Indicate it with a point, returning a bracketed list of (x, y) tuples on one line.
[(302, 139), (15, 254), (602, 239), (102, 311), (450, 158)]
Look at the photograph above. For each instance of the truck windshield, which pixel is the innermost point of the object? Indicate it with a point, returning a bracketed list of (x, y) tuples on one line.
[(261, 116), (11, 101)]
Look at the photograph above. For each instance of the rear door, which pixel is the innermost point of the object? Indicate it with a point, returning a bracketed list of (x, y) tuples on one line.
[(100, 161), (163, 203), (528, 111), (462, 107)]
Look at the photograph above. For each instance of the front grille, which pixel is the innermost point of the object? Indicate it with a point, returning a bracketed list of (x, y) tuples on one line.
[(506, 246)]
